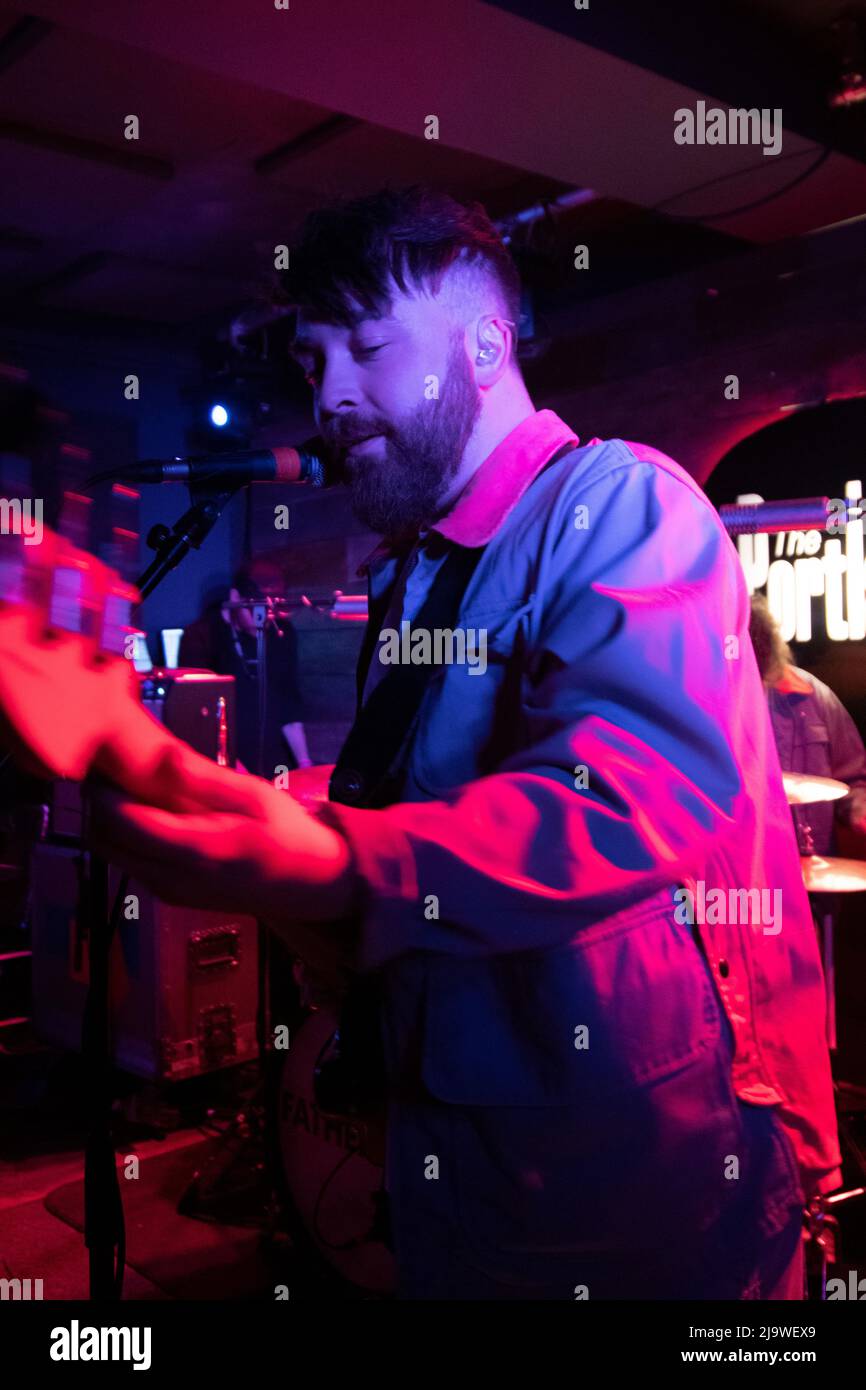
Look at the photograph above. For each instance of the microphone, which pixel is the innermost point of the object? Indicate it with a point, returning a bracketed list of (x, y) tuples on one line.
[(796, 514), (279, 464)]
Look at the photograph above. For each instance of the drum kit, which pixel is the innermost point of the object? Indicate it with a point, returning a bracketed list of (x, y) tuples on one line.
[(823, 876)]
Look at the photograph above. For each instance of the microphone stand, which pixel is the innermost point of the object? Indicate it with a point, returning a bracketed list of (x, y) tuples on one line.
[(104, 1235), (262, 617), (103, 1205), (188, 532)]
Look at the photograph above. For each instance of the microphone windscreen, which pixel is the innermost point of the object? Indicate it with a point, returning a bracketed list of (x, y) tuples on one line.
[(289, 468)]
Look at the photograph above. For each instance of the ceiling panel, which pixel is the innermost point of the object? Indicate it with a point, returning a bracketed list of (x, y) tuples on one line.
[(544, 101), (367, 156), (215, 96), (86, 87)]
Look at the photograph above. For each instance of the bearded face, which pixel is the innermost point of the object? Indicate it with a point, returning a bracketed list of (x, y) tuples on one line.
[(398, 477), (396, 402)]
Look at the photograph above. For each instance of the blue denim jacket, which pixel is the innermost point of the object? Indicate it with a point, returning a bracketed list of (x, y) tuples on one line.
[(523, 899)]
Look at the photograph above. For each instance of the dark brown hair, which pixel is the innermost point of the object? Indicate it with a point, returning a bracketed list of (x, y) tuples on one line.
[(772, 653), (351, 250)]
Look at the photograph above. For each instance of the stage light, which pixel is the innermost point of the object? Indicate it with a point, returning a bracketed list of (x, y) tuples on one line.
[(219, 416)]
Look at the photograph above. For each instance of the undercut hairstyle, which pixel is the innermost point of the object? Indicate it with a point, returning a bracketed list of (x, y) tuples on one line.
[(352, 250)]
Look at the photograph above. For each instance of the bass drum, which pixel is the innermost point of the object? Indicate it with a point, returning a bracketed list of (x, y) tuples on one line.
[(336, 1188)]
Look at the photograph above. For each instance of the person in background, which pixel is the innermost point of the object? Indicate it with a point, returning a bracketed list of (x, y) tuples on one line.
[(814, 734), (225, 642)]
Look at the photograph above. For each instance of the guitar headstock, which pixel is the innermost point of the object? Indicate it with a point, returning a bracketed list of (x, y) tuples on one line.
[(66, 636)]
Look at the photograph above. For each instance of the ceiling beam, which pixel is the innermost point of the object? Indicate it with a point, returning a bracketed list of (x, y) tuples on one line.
[(303, 144), (59, 142)]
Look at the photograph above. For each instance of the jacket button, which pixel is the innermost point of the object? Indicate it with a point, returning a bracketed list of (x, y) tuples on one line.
[(346, 785), (724, 968)]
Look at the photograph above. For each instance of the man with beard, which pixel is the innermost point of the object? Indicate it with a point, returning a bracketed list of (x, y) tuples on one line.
[(588, 1094)]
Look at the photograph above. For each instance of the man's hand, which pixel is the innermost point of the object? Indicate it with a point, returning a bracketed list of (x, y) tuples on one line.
[(211, 838)]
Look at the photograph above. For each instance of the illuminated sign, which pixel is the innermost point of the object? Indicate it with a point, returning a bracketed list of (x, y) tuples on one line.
[(798, 567)]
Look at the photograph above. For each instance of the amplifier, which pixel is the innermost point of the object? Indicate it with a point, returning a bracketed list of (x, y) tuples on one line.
[(197, 706), (183, 989)]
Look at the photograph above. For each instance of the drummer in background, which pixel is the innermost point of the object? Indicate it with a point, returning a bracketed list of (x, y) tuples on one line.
[(814, 734), (225, 642)]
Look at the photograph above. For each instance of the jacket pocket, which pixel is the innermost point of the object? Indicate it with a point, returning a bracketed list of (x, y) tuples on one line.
[(592, 1153), (625, 1004), (815, 738)]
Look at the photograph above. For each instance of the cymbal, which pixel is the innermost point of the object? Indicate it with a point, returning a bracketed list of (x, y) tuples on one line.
[(802, 788), (833, 875)]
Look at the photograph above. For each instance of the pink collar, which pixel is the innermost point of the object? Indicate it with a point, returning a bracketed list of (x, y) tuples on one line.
[(496, 487), (791, 682)]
